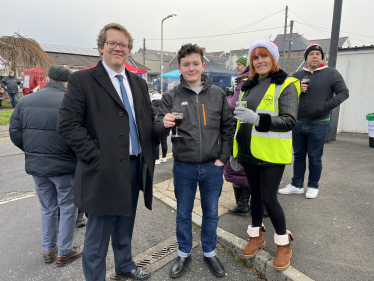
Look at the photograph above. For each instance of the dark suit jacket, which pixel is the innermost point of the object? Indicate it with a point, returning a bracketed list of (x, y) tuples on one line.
[(95, 123)]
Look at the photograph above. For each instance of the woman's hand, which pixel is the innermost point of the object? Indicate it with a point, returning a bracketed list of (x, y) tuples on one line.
[(246, 115), (218, 163)]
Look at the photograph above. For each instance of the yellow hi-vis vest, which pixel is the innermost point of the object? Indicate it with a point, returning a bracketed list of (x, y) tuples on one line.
[(273, 147)]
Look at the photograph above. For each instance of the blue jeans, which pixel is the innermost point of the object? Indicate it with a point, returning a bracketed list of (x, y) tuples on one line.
[(13, 99), (99, 230), (309, 138), (54, 192), (210, 179)]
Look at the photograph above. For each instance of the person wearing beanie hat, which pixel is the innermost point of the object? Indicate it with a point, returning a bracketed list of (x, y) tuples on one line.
[(59, 73), (319, 83), (242, 192), (264, 144), (51, 162)]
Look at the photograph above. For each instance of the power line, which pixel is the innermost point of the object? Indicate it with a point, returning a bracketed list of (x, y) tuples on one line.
[(308, 23), (341, 31), (209, 41)]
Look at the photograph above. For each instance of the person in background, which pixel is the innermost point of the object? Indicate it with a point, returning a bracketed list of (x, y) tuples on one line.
[(313, 121), (51, 162), (264, 144), (156, 99), (11, 84), (165, 85), (242, 192), (157, 85)]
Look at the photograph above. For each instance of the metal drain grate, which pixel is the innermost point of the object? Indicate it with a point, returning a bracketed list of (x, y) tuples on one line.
[(167, 250)]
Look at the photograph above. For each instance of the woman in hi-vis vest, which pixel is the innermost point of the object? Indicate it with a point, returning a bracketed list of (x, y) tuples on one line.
[(263, 142)]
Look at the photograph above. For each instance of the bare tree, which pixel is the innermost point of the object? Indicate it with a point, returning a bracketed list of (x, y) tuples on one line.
[(21, 52)]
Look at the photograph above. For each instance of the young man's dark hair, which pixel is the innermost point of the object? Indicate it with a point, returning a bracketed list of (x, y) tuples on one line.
[(188, 49)]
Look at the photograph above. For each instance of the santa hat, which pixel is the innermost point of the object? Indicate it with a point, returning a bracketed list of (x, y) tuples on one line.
[(314, 46), (271, 46)]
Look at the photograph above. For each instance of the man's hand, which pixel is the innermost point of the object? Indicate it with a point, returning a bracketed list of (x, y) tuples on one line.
[(304, 86), (19, 87), (6, 87), (235, 164), (169, 120), (218, 163)]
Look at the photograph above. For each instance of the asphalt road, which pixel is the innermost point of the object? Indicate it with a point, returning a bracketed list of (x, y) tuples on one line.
[(20, 230)]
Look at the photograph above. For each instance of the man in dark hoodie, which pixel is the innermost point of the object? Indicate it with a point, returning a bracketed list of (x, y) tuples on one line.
[(319, 83), (199, 154), (155, 100)]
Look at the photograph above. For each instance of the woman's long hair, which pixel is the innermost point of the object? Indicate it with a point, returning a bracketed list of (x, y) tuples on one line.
[(261, 51)]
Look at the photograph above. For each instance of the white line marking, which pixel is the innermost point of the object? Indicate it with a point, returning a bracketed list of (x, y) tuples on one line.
[(4, 201)]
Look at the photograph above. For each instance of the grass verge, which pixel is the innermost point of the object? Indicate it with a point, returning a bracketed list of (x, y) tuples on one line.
[(5, 117), (6, 105)]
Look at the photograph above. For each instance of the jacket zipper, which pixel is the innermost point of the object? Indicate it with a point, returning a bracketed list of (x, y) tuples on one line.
[(198, 116), (204, 115)]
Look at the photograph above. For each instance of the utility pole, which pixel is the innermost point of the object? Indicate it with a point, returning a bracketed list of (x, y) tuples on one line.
[(144, 51), (334, 118), (289, 48), (284, 37)]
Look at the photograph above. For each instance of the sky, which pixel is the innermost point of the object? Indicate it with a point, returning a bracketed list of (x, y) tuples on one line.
[(77, 22)]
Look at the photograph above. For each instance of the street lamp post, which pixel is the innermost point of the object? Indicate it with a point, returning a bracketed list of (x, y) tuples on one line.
[(162, 51)]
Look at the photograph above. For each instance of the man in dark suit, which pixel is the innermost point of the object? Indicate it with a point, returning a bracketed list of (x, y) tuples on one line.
[(106, 117)]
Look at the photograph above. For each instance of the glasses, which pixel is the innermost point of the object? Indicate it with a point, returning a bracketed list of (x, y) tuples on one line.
[(113, 45)]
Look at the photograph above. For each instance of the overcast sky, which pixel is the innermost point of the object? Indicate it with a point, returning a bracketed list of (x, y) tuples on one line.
[(77, 22)]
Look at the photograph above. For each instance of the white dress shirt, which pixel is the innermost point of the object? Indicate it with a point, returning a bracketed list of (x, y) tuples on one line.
[(112, 74)]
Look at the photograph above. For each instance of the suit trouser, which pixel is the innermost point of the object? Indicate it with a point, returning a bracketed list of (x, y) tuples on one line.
[(54, 192), (120, 228)]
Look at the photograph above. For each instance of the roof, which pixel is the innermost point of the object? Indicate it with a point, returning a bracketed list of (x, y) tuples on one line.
[(240, 52), (325, 43), (155, 55), (356, 48), (73, 60), (52, 48), (299, 43)]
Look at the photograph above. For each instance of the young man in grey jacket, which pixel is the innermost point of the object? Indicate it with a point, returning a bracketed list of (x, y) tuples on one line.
[(319, 83), (199, 154)]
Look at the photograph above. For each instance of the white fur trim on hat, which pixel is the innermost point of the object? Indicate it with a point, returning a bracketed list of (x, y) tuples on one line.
[(282, 240), (269, 45), (254, 231)]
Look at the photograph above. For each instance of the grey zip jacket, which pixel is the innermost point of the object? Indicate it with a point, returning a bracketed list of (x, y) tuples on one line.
[(206, 129)]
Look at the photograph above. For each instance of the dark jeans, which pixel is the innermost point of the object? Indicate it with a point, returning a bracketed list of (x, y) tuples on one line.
[(13, 99), (210, 179), (264, 183), (164, 147), (99, 230), (309, 139)]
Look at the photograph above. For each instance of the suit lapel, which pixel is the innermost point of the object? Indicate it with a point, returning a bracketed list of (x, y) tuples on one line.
[(136, 93), (103, 79)]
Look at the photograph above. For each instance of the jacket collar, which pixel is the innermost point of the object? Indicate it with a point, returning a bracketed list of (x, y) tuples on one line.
[(102, 77), (55, 85), (277, 78), (242, 76), (321, 66), (204, 78)]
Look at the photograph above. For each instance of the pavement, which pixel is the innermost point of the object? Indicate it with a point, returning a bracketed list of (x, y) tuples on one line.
[(332, 232), (20, 229)]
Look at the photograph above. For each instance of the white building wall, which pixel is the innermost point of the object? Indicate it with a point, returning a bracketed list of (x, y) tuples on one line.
[(357, 69)]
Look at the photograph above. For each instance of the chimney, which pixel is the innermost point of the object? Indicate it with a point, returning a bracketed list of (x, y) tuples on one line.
[(203, 48)]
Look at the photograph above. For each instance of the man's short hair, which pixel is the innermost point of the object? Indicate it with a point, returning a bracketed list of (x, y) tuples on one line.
[(101, 38), (188, 49)]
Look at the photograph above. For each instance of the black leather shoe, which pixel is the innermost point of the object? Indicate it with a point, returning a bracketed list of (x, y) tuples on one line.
[(215, 266), (179, 266), (135, 274)]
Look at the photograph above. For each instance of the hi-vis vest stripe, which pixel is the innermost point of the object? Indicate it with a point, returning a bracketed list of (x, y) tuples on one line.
[(273, 147)]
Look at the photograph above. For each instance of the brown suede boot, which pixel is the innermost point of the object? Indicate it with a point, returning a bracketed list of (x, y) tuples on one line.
[(284, 252), (256, 241)]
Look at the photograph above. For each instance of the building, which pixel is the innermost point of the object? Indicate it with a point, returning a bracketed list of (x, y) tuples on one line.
[(355, 64)]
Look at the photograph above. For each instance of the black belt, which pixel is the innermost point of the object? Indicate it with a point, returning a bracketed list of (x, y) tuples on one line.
[(132, 157)]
